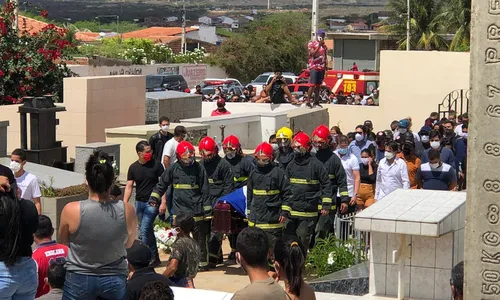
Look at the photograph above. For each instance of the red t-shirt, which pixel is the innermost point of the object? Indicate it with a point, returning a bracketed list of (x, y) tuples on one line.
[(42, 255), (216, 112)]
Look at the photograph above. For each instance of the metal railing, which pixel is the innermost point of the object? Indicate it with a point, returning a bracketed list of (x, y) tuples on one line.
[(344, 230)]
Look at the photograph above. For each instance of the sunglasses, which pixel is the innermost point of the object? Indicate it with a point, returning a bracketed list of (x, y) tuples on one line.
[(57, 260)]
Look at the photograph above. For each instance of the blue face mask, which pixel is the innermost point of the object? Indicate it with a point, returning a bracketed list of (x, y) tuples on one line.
[(342, 151)]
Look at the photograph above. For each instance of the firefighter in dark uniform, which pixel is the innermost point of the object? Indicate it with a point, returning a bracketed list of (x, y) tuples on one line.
[(242, 166), (321, 141), (268, 192), (311, 189), (189, 181), (284, 139), (220, 181)]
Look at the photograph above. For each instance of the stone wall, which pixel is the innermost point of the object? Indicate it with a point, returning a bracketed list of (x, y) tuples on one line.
[(175, 105), (307, 120), (52, 207)]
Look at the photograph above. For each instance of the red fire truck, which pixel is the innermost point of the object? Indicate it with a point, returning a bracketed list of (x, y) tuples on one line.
[(347, 81)]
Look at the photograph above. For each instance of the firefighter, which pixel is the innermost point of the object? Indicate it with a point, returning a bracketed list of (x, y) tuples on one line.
[(284, 138), (189, 182), (269, 195), (311, 189), (220, 181), (242, 166), (321, 140)]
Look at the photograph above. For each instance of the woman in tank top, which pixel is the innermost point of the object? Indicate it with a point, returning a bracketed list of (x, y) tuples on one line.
[(98, 231)]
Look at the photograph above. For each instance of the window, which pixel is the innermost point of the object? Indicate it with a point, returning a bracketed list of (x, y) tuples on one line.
[(262, 78), (370, 86), (288, 80)]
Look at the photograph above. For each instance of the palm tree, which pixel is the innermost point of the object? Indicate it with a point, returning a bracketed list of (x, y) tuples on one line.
[(425, 31), (456, 18)]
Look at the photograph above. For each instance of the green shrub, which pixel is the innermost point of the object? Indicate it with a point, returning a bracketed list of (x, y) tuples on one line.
[(49, 191), (331, 255)]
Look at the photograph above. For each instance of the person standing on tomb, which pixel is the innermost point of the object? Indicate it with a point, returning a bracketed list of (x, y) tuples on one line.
[(311, 187), (191, 195), (317, 67), (27, 182), (241, 166), (144, 173), (158, 140), (392, 173), (436, 175)]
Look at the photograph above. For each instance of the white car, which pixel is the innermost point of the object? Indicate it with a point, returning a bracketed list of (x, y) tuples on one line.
[(217, 82), (265, 78)]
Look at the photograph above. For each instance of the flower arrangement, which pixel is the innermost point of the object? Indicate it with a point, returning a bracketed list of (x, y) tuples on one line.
[(164, 238), (31, 64)]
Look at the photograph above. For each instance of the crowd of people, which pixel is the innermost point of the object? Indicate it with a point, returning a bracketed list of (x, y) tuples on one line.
[(296, 185)]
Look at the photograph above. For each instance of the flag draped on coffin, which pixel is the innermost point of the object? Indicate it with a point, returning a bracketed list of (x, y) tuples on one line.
[(237, 199)]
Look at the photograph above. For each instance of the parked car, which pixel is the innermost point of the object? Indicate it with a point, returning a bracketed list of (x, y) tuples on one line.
[(265, 78), (215, 82), (166, 83)]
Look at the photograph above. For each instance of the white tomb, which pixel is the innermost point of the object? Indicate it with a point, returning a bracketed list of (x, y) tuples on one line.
[(417, 236)]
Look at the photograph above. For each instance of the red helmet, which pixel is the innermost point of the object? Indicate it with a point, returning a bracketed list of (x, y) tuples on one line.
[(185, 152), (207, 146), (264, 150), (231, 142), (301, 142), (321, 134)]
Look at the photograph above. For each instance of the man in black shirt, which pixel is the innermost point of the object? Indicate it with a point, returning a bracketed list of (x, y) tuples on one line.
[(145, 173), (277, 89), (159, 139), (138, 257)]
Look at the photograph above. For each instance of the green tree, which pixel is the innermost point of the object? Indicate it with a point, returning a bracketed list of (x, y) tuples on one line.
[(455, 17), (277, 42), (111, 25), (425, 27)]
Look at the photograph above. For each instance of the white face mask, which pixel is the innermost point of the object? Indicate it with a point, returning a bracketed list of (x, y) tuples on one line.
[(314, 149), (165, 128), (425, 139), (231, 155), (389, 155), (434, 166), (402, 130), (15, 166), (365, 160), (359, 137), (435, 144), (275, 146)]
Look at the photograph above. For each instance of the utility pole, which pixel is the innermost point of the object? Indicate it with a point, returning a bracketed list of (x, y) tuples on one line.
[(268, 4), (408, 35), (16, 14), (183, 20), (314, 20)]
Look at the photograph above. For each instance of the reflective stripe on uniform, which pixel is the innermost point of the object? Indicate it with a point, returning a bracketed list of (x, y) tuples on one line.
[(265, 226), (265, 192), (326, 200), (155, 195), (248, 212), (182, 186), (320, 207), (206, 208), (240, 179), (303, 181), (304, 214), (286, 208), (331, 176), (210, 180), (344, 193)]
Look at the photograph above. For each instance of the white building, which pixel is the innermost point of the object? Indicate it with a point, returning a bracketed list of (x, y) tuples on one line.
[(205, 20), (171, 19), (205, 34)]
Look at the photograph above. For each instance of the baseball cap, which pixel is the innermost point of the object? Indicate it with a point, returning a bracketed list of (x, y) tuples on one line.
[(139, 254), (221, 101), (403, 123), (321, 32)]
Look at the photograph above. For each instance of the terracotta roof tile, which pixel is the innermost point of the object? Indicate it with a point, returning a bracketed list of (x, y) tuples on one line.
[(156, 32), (30, 25), (86, 36)]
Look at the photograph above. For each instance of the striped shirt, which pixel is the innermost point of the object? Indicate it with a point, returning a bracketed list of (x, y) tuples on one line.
[(437, 179)]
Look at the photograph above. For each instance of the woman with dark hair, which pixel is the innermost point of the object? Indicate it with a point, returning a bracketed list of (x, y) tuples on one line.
[(97, 230), (392, 172), (18, 222), (368, 175), (289, 255)]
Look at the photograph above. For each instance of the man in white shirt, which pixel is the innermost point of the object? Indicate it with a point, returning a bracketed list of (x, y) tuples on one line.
[(169, 157), (392, 172), (27, 182), (351, 167)]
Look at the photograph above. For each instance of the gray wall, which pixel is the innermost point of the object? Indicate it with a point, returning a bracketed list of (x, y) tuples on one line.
[(363, 52)]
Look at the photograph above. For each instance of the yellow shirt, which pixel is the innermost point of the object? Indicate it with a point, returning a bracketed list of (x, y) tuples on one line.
[(413, 163)]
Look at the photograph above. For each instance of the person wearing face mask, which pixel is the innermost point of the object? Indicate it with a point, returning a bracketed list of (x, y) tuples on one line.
[(144, 173), (404, 127), (269, 195), (191, 194), (368, 176), (311, 188), (380, 141), (284, 139), (424, 137), (27, 182), (412, 161), (436, 175), (458, 129), (370, 134), (158, 140), (447, 155), (220, 182), (361, 142), (241, 166), (392, 173), (461, 156), (448, 130), (186, 255), (333, 165), (276, 148), (221, 109)]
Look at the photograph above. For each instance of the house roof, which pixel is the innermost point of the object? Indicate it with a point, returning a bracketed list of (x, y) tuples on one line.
[(156, 32), (30, 25), (86, 36)]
